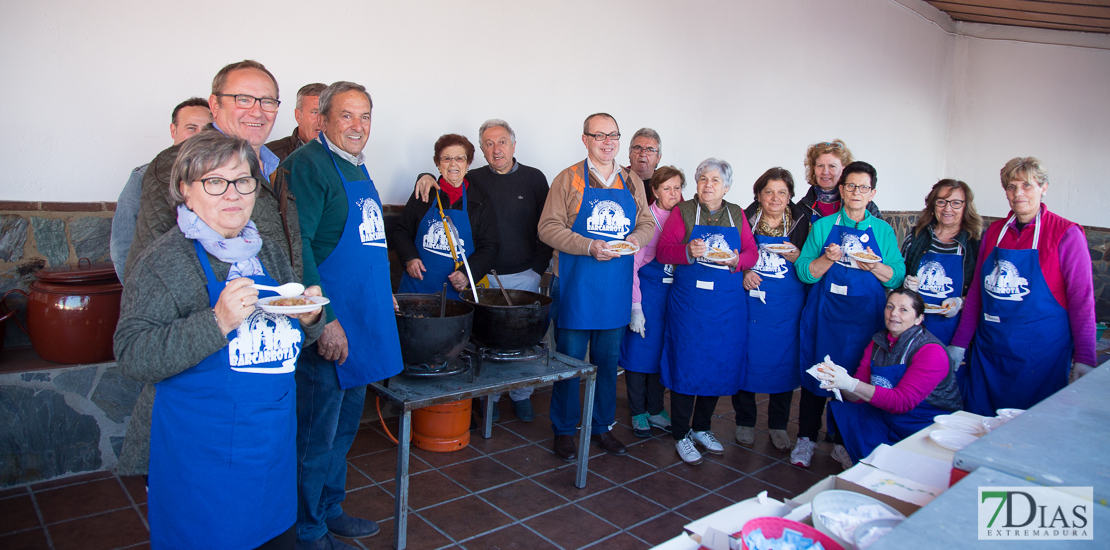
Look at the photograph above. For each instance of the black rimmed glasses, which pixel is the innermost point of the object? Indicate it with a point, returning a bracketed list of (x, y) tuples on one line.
[(863, 189), (244, 101), (218, 186), (637, 148), (600, 136), (956, 205)]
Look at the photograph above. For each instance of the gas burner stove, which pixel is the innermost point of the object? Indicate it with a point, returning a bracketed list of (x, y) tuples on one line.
[(527, 354), (452, 366)]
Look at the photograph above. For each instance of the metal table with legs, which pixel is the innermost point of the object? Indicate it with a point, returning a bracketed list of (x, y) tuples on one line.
[(411, 393)]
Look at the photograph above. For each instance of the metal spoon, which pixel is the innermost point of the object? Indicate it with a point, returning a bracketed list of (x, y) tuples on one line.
[(287, 290)]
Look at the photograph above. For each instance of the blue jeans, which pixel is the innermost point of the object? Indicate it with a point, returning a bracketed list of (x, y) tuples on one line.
[(327, 420), (605, 349)]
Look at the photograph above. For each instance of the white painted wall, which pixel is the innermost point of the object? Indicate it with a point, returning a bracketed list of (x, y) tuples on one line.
[(88, 87)]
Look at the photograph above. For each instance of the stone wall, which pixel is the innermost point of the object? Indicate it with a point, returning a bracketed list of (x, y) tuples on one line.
[(63, 421), (34, 235)]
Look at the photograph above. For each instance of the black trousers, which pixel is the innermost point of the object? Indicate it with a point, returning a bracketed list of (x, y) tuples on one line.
[(284, 541), (683, 406), (645, 392), (778, 409), (810, 409)]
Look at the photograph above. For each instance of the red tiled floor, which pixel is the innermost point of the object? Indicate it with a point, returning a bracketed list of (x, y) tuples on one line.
[(465, 518), (562, 481), (34, 539), (665, 489), (371, 503), (75, 501), (523, 499), (428, 489), (661, 529), (481, 474), (136, 487), (419, 535), (571, 527), (621, 541), (125, 528), (530, 460), (514, 537), (71, 480), (382, 465), (621, 507), (17, 513)]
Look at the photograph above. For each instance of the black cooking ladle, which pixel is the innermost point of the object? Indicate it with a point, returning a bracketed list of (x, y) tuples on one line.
[(502, 287)]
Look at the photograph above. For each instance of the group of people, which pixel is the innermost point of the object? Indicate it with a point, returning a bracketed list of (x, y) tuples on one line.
[(242, 406)]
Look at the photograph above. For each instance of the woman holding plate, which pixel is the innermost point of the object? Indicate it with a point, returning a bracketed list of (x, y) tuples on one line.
[(222, 446), (775, 300), (850, 258), (710, 243)]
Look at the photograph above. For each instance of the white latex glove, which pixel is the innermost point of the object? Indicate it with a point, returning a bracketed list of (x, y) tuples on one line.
[(954, 305), (1079, 370), (832, 376), (911, 282), (955, 357), (638, 322)]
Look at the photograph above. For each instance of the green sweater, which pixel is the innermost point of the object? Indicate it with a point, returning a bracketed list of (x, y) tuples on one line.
[(884, 234), (321, 205)]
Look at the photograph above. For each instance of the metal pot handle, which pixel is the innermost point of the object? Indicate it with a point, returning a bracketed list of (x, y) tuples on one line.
[(4, 315)]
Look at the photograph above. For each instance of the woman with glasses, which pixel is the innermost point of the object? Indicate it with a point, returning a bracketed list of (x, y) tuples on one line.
[(940, 254), (424, 245), (219, 369), (851, 259), (1031, 305), (824, 163)]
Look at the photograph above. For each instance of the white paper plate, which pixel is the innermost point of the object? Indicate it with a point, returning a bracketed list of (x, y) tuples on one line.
[(1009, 414), (951, 439), (623, 252), (991, 424), (731, 255), (864, 260), (938, 310), (781, 248), (959, 423), (317, 303)]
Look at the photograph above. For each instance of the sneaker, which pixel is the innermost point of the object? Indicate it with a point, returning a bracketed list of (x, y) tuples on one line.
[(745, 435), (661, 421), (802, 454), (640, 425), (523, 410), (780, 440), (841, 456), (707, 440), (687, 451)]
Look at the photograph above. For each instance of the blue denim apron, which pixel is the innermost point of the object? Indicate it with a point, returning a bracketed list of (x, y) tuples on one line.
[(705, 348), (596, 295), (843, 310), (863, 427), (435, 253), (642, 353), (223, 468), (773, 326), (1023, 345), (941, 276), (357, 274)]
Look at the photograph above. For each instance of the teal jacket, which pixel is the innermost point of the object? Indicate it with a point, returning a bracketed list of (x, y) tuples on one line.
[(887, 241)]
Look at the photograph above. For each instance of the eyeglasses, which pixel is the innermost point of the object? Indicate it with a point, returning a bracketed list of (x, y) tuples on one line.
[(218, 186), (956, 205), (830, 145), (863, 189), (244, 101), (638, 148), (601, 136), (461, 159)]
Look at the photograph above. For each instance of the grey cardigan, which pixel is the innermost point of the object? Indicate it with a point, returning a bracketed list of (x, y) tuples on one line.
[(166, 325)]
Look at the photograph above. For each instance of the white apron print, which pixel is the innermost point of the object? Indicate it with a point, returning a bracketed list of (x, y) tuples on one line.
[(850, 244), (770, 264), (608, 220), (264, 338), (934, 281), (371, 232), (435, 240), (714, 240), (1005, 283)]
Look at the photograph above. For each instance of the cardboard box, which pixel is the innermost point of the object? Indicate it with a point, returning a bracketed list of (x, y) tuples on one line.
[(835, 482)]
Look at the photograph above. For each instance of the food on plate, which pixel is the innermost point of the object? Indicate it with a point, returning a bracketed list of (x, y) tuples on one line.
[(934, 307), (718, 254), (622, 246), (867, 256), (284, 302)]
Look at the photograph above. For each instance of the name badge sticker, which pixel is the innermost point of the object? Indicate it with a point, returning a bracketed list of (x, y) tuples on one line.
[(758, 294), (705, 285), (838, 289), (991, 318), (668, 280)]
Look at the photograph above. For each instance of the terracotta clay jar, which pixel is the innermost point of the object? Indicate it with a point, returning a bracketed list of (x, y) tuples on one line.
[(72, 313)]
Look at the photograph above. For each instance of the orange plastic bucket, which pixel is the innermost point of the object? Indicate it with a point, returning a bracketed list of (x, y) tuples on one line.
[(442, 428)]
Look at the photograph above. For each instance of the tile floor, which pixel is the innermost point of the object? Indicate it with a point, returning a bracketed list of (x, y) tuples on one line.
[(509, 491)]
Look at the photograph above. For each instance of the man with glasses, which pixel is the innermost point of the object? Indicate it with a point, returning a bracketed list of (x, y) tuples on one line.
[(644, 156), (345, 253), (244, 104), (188, 118), (592, 203), (307, 115)]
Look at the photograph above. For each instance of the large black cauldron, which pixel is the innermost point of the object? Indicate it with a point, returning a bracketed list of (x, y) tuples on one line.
[(427, 339), (500, 326)]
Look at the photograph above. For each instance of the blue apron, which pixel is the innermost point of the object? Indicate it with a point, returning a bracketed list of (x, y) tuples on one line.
[(941, 276), (1023, 345), (773, 326), (596, 295), (843, 310), (435, 253), (642, 353), (223, 467), (863, 427), (703, 351), (357, 272)]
